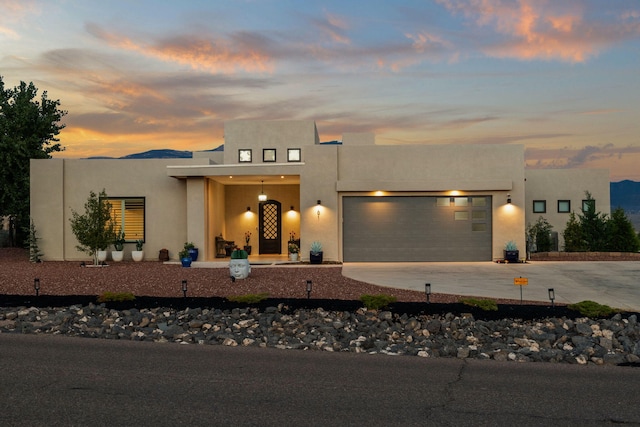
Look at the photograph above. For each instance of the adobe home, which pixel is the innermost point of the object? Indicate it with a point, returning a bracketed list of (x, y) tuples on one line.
[(274, 180)]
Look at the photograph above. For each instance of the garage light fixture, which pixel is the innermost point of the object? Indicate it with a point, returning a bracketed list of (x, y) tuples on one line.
[(509, 198)]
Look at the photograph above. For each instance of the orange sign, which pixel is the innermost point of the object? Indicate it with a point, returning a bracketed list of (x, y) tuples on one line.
[(521, 281)]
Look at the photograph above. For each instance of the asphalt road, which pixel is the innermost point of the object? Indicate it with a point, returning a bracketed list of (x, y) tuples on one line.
[(52, 380)]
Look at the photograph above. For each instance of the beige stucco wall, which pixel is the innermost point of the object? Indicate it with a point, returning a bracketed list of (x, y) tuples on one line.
[(259, 134), (59, 185), (565, 184)]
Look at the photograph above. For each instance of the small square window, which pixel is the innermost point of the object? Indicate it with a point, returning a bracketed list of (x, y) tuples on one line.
[(269, 155), (443, 201), (564, 206), (539, 206), (244, 156), (293, 154), (589, 203)]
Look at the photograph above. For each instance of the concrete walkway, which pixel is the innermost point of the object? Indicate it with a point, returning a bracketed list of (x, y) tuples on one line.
[(614, 283)]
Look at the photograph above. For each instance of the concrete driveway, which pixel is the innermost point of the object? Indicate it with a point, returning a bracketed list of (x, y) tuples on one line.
[(614, 283)]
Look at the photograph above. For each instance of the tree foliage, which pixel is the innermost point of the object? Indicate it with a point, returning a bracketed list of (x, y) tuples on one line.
[(94, 229), (540, 235), (28, 130), (594, 231)]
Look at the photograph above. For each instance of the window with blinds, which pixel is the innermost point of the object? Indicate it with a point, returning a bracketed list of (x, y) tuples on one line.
[(128, 215)]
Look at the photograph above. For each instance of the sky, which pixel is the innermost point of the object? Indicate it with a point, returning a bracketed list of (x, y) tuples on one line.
[(561, 78)]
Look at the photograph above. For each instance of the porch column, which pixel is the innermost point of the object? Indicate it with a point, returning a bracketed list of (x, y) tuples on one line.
[(196, 227)]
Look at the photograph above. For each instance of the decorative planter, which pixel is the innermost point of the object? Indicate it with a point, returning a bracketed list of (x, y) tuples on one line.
[(315, 258), (117, 256), (248, 249), (102, 256), (239, 268), (193, 253), (512, 256), (137, 255), (293, 257), (186, 262)]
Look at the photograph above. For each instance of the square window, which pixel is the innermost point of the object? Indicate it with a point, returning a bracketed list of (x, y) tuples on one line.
[(244, 156), (128, 215), (588, 204), (564, 206), (539, 206), (269, 155), (443, 201), (461, 201), (461, 215), (293, 154)]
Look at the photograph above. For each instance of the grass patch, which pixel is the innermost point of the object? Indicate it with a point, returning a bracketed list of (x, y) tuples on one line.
[(116, 297), (249, 298), (591, 309), (378, 301), (483, 304)]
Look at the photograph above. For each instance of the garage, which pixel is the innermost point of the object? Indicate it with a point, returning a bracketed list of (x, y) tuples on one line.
[(417, 228)]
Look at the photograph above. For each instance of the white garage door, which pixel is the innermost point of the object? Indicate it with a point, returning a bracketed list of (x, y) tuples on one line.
[(397, 229)]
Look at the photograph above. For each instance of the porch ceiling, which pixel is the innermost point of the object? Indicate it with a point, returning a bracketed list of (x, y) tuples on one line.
[(256, 179)]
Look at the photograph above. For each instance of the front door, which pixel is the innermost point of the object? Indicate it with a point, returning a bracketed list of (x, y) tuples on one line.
[(270, 227)]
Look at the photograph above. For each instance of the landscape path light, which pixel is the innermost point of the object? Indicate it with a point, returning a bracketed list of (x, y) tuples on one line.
[(36, 285), (427, 291), (309, 286), (184, 288), (552, 297)]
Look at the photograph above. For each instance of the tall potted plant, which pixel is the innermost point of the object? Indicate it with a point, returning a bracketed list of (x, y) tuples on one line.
[(247, 240), (118, 247), (94, 229), (138, 254)]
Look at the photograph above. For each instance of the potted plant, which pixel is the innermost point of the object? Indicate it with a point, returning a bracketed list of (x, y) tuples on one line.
[(239, 267), (511, 252), (138, 254), (247, 239), (118, 245), (185, 258), (293, 251), (315, 254), (193, 251)]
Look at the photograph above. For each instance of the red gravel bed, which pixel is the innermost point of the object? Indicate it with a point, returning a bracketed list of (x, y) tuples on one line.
[(153, 278)]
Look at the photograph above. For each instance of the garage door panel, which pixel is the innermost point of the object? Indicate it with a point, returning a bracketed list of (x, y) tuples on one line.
[(416, 229)]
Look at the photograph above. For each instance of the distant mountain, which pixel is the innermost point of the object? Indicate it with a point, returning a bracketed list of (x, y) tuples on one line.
[(160, 154), (625, 194)]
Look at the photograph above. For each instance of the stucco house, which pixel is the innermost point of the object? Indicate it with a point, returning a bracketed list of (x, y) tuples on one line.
[(362, 201)]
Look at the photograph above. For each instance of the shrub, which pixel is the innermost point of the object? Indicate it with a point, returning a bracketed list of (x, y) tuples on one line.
[(591, 309), (376, 302), (483, 304), (239, 254), (249, 298), (116, 297)]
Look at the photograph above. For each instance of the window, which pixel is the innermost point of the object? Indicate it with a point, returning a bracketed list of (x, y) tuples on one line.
[(269, 155), (244, 156), (293, 154), (564, 206), (589, 203), (443, 201), (539, 206), (128, 215), (461, 201), (461, 215)]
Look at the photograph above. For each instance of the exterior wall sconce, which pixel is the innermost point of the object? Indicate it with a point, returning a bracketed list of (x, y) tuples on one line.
[(291, 208), (36, 285), (262, 197), (552, 296), (184, 288), (319, 202), (248, 208), (427, 291), (509, 199), (309, 286)]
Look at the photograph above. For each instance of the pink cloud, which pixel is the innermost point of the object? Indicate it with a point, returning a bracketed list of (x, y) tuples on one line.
[(542, 29)]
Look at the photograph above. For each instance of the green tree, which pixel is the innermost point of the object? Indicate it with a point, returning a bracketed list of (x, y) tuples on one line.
[(573, 236), (620, 233), (540, 235), (94, 229), (28, 130), (594, 226)]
